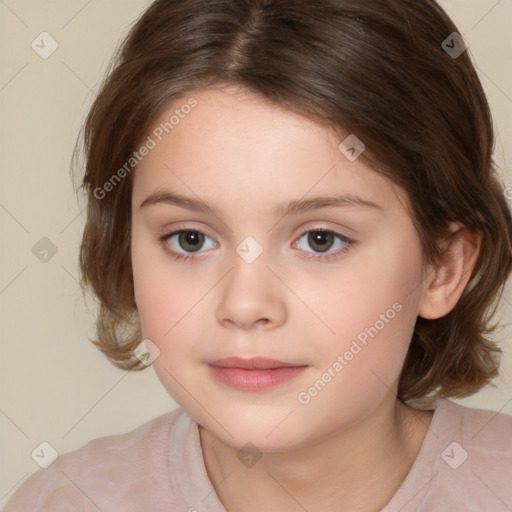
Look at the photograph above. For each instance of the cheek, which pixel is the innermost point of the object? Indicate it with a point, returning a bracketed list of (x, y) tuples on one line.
[(373, 309), (166, 311), (171, 305), (155, 307), (165, 307), (159, 299)]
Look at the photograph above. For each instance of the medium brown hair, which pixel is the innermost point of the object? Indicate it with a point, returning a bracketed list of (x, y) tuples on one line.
[(376, 69)]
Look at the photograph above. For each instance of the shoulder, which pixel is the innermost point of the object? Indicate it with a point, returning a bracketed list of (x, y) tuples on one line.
[(480, 430), (473, 458), (106, 466), (464, 463)]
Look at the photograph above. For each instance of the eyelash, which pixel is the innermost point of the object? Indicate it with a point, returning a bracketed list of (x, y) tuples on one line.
[(328, 257)]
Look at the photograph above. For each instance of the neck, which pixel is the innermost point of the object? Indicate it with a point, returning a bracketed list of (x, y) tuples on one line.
[(368, 460)]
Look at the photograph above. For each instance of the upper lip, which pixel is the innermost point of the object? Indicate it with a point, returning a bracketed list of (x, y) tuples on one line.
[(253, 363)]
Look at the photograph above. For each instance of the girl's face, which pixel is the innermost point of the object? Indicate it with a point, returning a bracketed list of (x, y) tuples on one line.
[(303, 256)]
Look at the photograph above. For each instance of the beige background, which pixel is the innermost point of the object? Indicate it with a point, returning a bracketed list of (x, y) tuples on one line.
[(55, 386)]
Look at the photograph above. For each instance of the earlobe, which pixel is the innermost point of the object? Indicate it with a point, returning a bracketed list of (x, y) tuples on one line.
[(445, 285)]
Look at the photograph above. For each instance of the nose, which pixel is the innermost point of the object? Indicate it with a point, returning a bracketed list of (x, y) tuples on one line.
[(251, 297)]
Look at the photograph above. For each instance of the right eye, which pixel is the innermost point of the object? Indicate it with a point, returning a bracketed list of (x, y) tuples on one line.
[(188, 240)]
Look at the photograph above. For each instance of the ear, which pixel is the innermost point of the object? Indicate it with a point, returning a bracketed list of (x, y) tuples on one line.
[(445, 284)]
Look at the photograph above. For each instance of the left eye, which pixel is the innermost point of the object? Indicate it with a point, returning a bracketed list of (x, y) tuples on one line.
[(322, 240), (189, 241)]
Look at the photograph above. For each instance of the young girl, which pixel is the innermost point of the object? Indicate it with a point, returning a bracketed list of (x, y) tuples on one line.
[(294, 204)]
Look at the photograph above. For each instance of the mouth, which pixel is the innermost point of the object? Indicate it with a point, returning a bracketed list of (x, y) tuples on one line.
[(254, 374)]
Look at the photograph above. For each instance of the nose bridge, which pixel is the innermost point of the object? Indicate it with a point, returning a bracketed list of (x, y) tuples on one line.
[(251, 293)]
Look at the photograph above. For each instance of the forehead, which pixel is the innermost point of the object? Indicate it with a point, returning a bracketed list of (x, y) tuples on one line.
[(234, 145)]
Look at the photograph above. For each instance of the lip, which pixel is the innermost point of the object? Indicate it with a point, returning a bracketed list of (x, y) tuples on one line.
[(252, 363), (254, 374)]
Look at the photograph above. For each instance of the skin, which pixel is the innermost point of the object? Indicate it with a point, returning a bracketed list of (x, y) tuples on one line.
[(354, 439)]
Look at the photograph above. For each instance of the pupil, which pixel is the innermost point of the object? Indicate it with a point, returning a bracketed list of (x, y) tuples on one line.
[(321, 238), (191, 240)]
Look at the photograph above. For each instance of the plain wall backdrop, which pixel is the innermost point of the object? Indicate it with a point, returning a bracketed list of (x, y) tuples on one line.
[(55, 386)]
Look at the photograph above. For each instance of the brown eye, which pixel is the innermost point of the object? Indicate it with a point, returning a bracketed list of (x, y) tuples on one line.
[(185, 242), (321, 241), (324, 245), (190, 241)]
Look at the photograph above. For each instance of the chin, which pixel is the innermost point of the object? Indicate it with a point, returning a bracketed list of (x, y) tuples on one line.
[(263, 431)]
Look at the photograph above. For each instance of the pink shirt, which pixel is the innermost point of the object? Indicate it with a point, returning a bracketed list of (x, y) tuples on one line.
[(464, 464)]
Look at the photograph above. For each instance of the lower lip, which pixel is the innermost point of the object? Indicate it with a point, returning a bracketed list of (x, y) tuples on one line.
[(255, 380)]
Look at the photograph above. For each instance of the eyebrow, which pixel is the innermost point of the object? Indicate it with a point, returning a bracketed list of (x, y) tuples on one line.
[(290, 208)]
